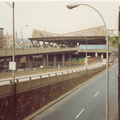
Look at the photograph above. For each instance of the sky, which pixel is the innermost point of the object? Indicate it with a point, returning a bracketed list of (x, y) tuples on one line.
[(53, 16)]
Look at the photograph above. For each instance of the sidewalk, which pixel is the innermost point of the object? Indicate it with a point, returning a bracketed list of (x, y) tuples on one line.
[(38, 71), (34, 71)]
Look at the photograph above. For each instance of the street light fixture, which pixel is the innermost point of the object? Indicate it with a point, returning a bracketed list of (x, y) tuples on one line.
[(107, 56)]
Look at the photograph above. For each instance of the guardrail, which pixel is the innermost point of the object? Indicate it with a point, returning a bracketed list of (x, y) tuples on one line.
[(44, 75)]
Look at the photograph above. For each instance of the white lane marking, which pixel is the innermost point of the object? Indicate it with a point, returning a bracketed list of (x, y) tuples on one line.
[(79, 113), (96, 94), (112, 77)]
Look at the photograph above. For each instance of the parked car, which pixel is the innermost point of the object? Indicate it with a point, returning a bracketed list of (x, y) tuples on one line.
[(111, 60), (104, 61)]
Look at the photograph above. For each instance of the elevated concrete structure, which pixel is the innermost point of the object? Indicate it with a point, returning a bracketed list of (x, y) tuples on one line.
[(96, 31), (93, 36), (35, 51), (72, 40), (50, 49)]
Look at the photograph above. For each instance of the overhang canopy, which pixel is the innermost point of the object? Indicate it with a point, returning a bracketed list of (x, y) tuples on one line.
[(72, 39)]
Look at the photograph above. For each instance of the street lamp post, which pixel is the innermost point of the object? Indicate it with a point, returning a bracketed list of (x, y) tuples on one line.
[(86, 63), (107, 56), (86, 58), (13, 64), (13, 42), (119, 66)]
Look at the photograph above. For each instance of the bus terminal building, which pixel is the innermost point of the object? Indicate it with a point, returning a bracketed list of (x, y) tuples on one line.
[(50, 49)]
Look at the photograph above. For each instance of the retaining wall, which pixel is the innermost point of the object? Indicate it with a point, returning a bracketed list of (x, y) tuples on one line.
[(21, 99)]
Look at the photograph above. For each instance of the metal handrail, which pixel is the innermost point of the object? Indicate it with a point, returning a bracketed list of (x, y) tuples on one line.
[(40, 76)]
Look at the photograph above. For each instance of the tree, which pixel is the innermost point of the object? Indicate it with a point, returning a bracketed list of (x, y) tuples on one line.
[(114, 40)]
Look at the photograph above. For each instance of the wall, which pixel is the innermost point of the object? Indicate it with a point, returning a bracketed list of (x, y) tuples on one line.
[(19, 100)]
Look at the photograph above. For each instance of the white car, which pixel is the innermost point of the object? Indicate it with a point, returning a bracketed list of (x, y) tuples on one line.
[(105, 61)]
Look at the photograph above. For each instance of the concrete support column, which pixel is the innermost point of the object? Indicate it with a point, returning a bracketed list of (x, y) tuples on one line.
[(44, 44), (32, 44), (18, 62), (55, 60), (5, 65), (39, 44), (44, 61), (30, 62), (48, 44), (47, 60), (63, 59), (70, 58)]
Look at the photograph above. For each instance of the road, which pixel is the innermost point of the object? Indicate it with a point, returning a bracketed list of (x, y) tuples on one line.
[(43, 75), (88, 102)]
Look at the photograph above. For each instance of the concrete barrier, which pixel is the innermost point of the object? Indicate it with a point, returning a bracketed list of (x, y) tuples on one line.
[(6, 90), (30, 84)]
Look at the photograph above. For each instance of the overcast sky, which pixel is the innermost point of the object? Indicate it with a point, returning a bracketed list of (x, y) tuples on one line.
[(53, 16)]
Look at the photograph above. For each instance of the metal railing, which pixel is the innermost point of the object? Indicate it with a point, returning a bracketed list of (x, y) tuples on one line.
[(43, 75)]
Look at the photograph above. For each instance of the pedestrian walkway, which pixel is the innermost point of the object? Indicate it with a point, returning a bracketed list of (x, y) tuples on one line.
[(38, 71), (32, 72)]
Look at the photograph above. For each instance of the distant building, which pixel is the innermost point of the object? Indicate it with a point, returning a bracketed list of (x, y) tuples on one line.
[(9, 40), (6, 41), (1, 38)]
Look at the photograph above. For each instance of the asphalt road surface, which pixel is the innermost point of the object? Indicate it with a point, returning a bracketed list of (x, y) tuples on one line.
[(88, 102)]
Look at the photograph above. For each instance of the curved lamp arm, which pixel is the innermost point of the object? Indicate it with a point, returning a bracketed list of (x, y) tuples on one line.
[(76, 5)]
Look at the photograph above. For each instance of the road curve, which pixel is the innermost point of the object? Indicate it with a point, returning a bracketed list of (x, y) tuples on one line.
[(88, 102)]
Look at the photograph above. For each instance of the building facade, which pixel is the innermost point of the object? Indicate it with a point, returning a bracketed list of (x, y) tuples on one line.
[(1, 38)]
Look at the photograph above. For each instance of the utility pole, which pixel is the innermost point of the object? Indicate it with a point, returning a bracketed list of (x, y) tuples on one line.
[(119, 67)]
